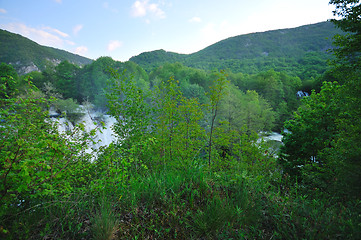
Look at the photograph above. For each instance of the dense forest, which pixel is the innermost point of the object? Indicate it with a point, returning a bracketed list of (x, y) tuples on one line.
[(188, 161)]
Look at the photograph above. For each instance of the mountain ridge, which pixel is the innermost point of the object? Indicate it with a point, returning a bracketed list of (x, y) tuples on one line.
[(26, 55), (261, 48), (299, 47)]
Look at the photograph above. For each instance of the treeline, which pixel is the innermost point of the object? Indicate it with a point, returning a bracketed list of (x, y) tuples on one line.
[(301, 52), (272, 93)]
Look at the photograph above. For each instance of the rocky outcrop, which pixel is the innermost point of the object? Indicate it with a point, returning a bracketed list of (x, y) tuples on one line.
[(27, 69)]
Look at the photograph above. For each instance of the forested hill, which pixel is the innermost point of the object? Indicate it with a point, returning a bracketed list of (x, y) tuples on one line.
[(26, 55), (300, 51)]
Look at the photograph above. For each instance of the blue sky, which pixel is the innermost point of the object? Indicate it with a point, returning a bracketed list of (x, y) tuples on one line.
[(125, 28)]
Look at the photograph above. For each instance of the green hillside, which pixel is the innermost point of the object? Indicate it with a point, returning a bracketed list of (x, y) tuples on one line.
[(301, 51), (26, 55)]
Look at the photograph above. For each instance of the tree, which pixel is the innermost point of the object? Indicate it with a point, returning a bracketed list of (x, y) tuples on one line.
[(348, 64), (216, 93), (65, 79), (127, 104), (311, 131), (191, 135), (167, 98), (323, 145), (350, 22), (36, 160), (250, 109), (8, 80)]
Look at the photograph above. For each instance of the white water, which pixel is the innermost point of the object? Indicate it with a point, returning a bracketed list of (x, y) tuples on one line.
[(273, 136), (302, 94), (91, 120)]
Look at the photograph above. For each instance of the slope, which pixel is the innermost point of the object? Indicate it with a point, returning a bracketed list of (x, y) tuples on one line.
[(282, 50), (26, 55)]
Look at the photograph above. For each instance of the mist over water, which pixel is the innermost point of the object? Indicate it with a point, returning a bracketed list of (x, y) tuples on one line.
[(91, 120)]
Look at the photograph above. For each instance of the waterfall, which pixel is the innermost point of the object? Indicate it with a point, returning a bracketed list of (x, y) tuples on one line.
[(91, 120), (273, 136), (302, 94)]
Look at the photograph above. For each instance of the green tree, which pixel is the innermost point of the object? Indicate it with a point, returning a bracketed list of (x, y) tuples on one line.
[(349, 45), (65, 79), (127, 104), (311, 132), (8, 80), (250, 109), (323, 142), (190, 135), (216, 93), (347, 152), (35, 159), (258, 113), (167, 98)]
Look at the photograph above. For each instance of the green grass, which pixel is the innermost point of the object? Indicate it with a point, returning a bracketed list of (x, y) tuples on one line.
[(191, 203)]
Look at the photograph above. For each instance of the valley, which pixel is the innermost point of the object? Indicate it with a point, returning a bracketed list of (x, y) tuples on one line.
[(253, 137)]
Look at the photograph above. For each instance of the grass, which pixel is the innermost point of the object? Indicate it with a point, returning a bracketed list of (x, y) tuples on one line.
[(104, 222), (194, 203)]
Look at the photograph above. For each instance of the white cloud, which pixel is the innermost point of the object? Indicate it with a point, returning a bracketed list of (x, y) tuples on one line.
[(156, 10), (142, 8), (62, 34), (139, 9), (77, 28), (195, 19), (70, 42), (82, 50), (114, 44), (108, 7), (43, 36), (3, 10), (58, 1)]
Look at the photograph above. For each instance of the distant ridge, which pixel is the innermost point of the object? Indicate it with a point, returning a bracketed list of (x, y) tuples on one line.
[(26, 55), (250, 53), (298, 51)]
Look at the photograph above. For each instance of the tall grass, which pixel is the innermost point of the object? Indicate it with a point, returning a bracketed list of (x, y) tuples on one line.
[(196, 202), (104, 222)]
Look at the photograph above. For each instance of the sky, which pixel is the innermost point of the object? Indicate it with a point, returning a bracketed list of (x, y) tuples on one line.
[(125, 28)]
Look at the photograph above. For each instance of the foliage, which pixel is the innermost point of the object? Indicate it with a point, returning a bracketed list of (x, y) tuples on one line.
[(104, 224), (166, 99), (250, 109), (322, 142), (36, 160), (215, 96), (65, 73), (277, 88), (126, 103), (156, 181), (23, 53), (349, 44), (126, 192), (312, 131), (8, 81), (299, 51)]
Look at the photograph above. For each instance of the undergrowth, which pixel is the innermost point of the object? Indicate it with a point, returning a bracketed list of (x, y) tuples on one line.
[(196, 203)]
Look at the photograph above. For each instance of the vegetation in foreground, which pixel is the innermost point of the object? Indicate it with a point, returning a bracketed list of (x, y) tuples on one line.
[(182, 170)]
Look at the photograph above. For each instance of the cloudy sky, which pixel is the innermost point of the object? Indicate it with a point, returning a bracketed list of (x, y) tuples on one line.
[(125, 28)]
